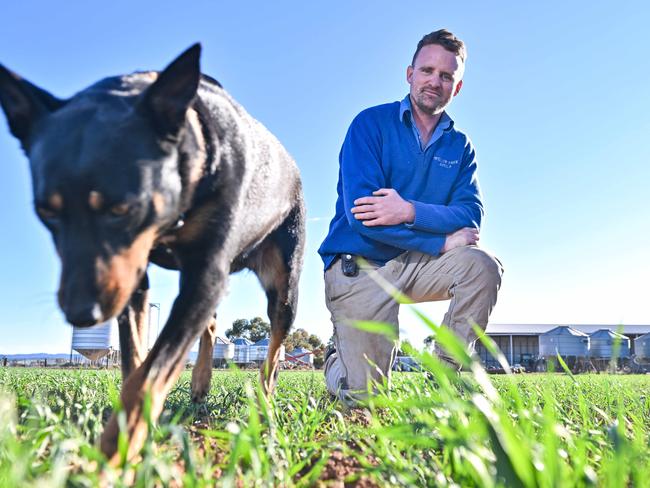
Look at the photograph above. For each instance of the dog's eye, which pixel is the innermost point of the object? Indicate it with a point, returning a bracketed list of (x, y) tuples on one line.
[(46, 213), (119, 210)]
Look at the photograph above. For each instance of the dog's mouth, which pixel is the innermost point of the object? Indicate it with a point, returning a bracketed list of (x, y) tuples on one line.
[(84, 315), (86, 308), (90, 302)]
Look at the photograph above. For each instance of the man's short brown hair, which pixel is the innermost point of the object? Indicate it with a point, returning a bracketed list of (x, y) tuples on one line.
[(445, 39)]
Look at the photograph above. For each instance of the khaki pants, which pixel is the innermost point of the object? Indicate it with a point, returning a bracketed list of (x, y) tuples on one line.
[(469, 276)]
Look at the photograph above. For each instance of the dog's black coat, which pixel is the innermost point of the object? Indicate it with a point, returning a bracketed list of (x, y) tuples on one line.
[(162, 167)]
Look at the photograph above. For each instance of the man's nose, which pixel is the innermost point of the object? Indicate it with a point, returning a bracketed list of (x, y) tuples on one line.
[(435, 81)]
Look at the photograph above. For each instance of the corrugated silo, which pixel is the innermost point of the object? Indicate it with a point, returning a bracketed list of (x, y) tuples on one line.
[(260, 350), (223, 349), (242, 350), (642, 346), (97, 341), (565, 341), (601, 344)]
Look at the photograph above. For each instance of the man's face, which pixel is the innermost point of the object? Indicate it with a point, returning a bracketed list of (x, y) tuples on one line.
[(435, 78)]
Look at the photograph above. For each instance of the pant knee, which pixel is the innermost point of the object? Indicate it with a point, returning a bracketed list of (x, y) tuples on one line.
[(493, 271), (484, 267)]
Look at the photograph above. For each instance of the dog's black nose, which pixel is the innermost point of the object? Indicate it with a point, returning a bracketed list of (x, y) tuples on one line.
[(84, 316)]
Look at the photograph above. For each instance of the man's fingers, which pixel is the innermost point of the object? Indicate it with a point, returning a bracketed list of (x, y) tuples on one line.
[(382, 192), (365, 215), (366, 200), (370, 207), (361, 208), (373, 222)]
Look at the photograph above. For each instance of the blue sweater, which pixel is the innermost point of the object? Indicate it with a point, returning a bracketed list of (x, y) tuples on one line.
[(381, 151)]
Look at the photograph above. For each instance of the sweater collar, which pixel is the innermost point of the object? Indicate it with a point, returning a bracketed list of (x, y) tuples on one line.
[(405, 116)]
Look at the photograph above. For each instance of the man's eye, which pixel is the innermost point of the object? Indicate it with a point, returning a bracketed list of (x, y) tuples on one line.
[(119, 210), (46, 213)]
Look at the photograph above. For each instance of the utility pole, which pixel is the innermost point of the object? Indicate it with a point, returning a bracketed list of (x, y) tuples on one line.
[(157, 306)]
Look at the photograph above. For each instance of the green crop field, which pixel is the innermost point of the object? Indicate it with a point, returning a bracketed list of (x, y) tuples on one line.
[(433, 428)]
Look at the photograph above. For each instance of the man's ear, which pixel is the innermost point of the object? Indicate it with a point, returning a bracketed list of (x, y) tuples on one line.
[(166, 101), (24, 104), (409, 74), (458, 87)]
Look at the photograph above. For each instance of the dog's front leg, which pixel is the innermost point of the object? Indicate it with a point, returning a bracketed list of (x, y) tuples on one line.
[(133, 327), (201, 288), (202, 372)]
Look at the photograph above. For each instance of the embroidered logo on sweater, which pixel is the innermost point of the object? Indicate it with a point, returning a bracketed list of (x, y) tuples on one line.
[(445, 163)]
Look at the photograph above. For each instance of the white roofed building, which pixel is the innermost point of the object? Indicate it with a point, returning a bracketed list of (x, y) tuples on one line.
[(520, 342)]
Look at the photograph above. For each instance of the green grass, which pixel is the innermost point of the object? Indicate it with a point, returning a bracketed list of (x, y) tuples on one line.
[(432, 429)]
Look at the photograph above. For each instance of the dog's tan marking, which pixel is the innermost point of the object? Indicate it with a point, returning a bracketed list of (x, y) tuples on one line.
[(196, 222), (138, 313), (135, 388), (95, 200), (202, 372), (150, 75), (118, 277), (158, 201), (198, 161), (273, 274), (271, 269), (270, 366), (55, 201)]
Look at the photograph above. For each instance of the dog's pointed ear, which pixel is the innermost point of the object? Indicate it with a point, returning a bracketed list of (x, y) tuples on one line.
[(166, 101), (24, 104)]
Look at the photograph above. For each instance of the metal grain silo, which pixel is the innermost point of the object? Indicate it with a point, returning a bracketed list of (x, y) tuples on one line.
[(223, 349), (601, 344), (565, 341), (260, 350), (97, 341), (242, 350), (642, 346)]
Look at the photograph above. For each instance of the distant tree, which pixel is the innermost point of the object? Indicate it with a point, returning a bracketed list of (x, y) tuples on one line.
[(315, 342), (405, 344), (429, 341), (254, 329), (238, 330), (319, 359), (297, 338), (259, 330), (302, 338)]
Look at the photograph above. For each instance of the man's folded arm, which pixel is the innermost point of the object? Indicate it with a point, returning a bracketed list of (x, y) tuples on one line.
[(465, 207), (361, 175)]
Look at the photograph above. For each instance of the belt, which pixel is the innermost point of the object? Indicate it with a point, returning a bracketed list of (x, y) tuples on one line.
[(354, 257)]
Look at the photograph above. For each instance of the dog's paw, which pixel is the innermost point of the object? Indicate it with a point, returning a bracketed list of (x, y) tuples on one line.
[(268, 382), (199, 395)]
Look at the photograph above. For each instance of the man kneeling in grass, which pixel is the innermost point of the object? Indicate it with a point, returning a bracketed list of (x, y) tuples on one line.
[(409, 204)]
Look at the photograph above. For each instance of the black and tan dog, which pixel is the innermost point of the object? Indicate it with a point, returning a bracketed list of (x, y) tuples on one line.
[(160, 167)]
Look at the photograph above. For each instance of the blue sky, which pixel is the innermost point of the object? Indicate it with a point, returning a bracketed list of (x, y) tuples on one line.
[(554, 99)]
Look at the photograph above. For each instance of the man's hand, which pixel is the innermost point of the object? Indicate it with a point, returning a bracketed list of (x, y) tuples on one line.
[(385, 207), (462, 237)]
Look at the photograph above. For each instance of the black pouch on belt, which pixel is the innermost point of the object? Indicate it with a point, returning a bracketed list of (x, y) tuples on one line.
[(349, 265)]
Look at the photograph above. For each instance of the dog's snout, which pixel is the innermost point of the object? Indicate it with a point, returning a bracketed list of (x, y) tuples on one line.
[(85, 316)]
